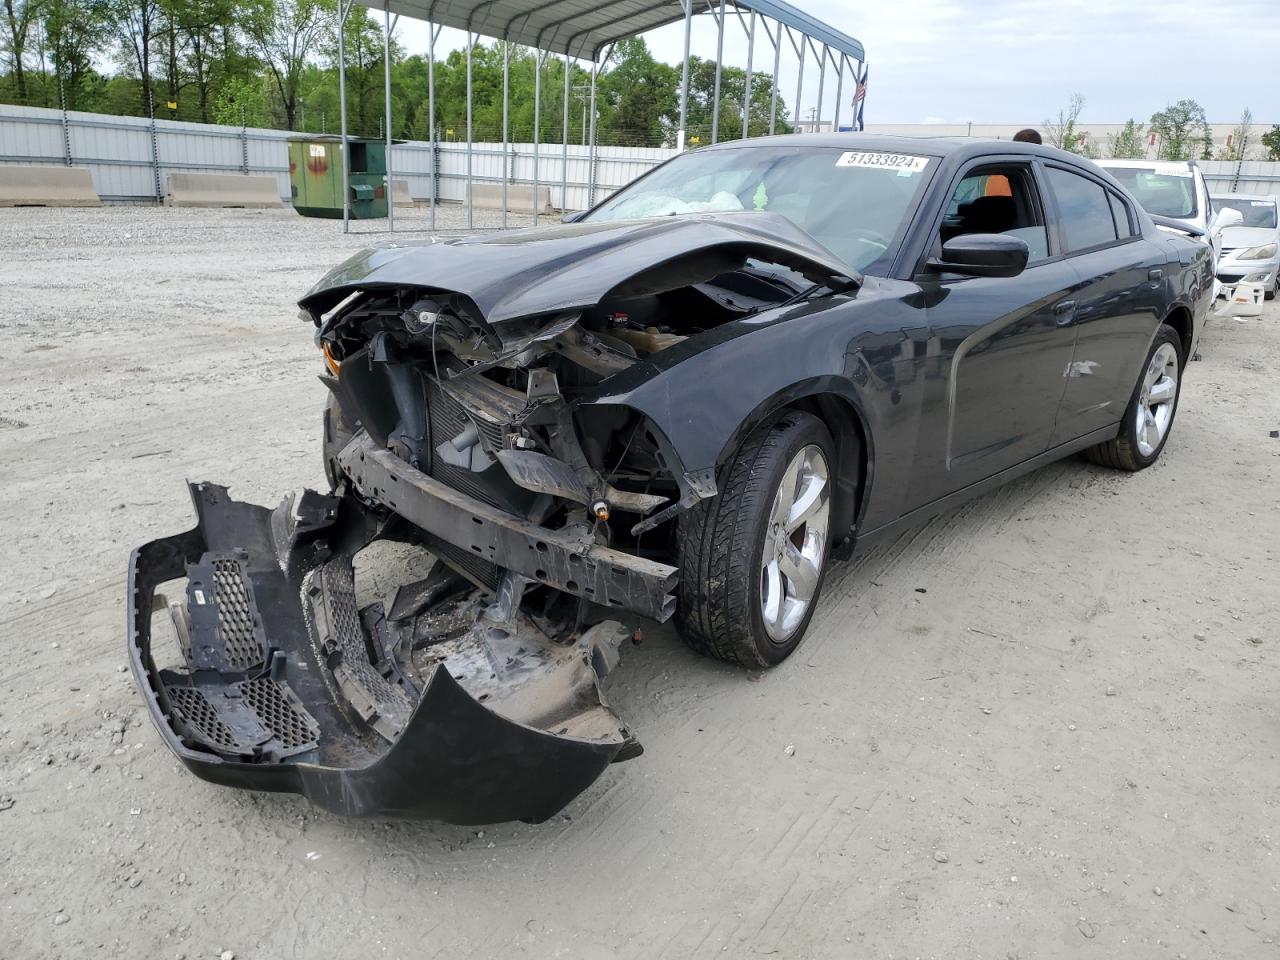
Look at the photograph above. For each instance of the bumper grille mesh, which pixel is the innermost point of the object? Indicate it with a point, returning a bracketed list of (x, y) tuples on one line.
[(199, 714), (290, 725), (235, 621)]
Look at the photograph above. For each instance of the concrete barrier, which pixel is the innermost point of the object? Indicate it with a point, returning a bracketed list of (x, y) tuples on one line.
[(46, 186), (222, 190), (400, 195), (520, 197)]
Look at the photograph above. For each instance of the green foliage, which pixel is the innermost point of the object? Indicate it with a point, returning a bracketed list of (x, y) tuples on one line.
[(241, 100), (1271, 141), (1181, 129), (1129, 143), (1063, 133), (274, 63), (1237, 146)]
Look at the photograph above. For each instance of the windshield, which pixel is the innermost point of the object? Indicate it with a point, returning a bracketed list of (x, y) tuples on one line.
[(855, 203), (1164, 194), (1256, 213)]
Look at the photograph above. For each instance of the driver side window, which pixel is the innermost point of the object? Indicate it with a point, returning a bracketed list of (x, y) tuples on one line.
[(1000, 198)]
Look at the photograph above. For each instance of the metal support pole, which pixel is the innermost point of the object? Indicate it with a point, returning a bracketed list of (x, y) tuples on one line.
[(822, 79), (799, 81), (564, 148), (746, 98), (591, 162), (244, 143), (66, 123), (506, 139), (386, 75), (839, 64), (777, 63), (343, 8), (537, 131), (471, 220), (715, 105), (432, 33), (684, 75), (155, 147)]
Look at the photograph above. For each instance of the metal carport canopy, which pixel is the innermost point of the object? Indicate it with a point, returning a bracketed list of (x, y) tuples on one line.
[(580, 28)]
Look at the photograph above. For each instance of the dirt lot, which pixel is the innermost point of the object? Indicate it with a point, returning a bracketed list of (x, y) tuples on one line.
[(1044, 726)]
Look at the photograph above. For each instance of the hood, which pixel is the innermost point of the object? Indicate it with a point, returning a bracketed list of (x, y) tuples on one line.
[(1234, 238), (573, 266)]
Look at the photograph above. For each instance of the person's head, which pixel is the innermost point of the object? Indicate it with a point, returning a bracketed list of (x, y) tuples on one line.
[(1028, 135)]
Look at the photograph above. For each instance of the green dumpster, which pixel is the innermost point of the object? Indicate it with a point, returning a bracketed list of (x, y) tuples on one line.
[(315, 172)]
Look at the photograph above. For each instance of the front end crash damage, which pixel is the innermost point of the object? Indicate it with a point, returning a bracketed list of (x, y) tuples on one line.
[(527, 511)]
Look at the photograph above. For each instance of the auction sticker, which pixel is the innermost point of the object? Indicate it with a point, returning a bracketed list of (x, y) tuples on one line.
[(900, 162)]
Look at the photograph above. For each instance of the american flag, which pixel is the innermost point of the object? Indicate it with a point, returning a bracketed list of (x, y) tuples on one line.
[(859, 98)]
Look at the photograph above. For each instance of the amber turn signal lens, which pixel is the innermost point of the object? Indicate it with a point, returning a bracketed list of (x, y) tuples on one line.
[(601, 509), (329, 360)]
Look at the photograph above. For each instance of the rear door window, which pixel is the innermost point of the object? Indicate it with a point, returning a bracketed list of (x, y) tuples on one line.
[(1084, 210)]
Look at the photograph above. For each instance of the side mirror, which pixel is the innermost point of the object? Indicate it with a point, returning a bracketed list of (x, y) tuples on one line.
[(573, 217), (983, 255), (1226, 217)]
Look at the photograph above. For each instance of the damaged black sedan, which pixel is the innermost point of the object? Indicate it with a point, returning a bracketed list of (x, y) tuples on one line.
[(685, 404)]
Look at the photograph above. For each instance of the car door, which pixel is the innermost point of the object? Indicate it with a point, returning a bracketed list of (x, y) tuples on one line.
[(1002, 343), (1121, 278)]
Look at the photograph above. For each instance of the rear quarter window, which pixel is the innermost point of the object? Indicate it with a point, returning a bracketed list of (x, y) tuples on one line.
[(1084, 210), (1124, 224)]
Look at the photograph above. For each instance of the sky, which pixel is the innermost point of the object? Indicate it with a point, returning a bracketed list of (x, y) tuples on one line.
[(1017, 61)]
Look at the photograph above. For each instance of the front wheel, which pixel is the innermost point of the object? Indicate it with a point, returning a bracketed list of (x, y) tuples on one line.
[(752, 559), (1149, 416)]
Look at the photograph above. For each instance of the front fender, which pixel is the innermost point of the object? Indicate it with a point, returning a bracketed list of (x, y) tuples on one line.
[(707, 393)]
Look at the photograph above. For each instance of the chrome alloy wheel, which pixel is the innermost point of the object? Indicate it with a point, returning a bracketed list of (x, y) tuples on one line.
[(795, 543), (1156, 399)]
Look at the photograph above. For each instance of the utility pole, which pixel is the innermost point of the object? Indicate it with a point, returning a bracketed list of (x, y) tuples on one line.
[(582, 92)]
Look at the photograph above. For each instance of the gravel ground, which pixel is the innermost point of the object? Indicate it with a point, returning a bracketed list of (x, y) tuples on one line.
[(1044, 725)]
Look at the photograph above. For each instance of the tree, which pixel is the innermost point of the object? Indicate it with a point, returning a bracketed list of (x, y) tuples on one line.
[(284, 34), (1063, 134), (74, 30), (1180, 128), (1129, 143), (135, 22), (1237, 145), (1271, 140), (19, 15), (639, 96)]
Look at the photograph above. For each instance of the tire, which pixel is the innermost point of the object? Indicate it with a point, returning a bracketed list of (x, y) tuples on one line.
[(721, 545), (1133, 450)]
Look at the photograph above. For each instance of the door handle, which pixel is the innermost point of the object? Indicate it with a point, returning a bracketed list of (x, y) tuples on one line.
[(1064, 312), (1155, 273)]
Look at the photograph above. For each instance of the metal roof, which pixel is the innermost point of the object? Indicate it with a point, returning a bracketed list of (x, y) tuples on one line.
[(581, 28)]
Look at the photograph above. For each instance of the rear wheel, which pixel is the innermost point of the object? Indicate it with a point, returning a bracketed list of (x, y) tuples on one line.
[(1149, 416), (753, 558)]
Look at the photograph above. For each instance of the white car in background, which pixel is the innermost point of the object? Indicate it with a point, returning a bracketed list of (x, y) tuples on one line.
[(1251, 249), (1175, 189)]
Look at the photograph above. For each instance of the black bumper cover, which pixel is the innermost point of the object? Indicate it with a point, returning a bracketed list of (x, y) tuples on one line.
[(455, 760)]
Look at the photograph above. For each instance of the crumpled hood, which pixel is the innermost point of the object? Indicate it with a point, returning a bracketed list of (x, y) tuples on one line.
[(573, 266)]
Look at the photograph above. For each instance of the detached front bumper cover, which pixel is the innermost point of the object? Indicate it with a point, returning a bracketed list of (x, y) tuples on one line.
[(276, 655)]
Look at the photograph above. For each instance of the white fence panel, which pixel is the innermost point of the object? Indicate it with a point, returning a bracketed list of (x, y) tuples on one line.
[(1251, 176), (119, 153)]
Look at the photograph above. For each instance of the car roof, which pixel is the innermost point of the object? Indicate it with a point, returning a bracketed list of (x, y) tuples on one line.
[(960, 148)]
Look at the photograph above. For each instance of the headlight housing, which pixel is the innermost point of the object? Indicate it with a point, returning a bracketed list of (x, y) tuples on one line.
[(1264, 252)]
